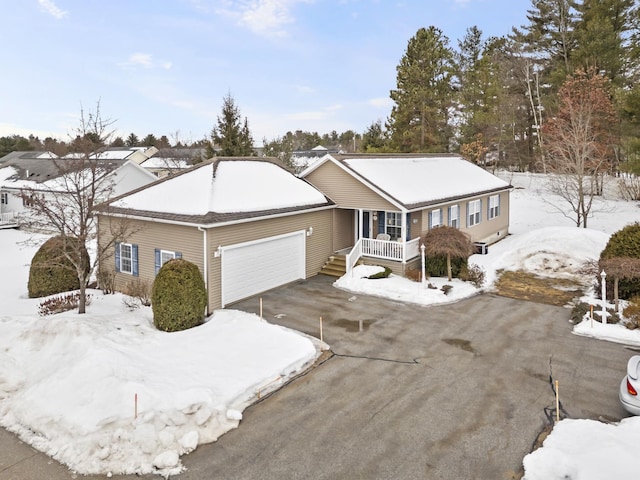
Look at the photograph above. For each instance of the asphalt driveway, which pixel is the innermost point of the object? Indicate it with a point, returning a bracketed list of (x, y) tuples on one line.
[(449, 392)]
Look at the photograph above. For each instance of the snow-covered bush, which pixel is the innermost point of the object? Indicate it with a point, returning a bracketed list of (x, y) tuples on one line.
[(61, 303)]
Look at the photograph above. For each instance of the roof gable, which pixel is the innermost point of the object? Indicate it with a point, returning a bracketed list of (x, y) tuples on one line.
[(413, 180)]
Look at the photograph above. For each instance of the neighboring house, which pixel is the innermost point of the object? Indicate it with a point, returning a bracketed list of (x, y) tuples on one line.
[(386, 203), (302, 159), (168, 161), (247, 223), (44, 175)]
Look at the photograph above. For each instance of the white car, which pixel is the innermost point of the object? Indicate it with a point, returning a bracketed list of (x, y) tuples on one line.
[(630, 387)]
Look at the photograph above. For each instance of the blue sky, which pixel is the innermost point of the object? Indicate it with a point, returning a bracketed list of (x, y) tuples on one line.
[(163, 66)]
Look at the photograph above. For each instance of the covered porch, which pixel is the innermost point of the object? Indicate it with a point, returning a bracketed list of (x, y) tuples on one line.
[(384, 235), (8, 220)]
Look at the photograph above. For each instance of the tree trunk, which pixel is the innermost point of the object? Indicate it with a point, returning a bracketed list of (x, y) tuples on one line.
[(615, 292), (82, 301)]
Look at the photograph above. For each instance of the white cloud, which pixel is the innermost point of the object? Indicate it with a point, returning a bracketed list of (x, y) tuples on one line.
[(52, 9), (145, 60), (381, 102), (263, 17)]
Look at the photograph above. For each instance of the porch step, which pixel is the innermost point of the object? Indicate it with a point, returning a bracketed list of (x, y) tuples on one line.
[(336, 266)]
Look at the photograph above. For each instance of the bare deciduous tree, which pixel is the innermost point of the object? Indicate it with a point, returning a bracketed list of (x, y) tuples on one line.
[(579, 141), (67, 204)]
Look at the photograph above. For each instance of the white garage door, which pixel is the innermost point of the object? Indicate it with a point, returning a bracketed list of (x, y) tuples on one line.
[(253, 267)]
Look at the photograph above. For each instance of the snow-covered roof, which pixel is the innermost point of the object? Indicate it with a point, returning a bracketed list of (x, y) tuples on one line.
[(225, 186), (165, 162), (415, 180)]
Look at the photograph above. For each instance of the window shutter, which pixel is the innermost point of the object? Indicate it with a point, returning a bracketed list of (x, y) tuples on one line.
[(449, 216), (178, 254), (430, 220), (466, 220), (498, 206), (408, 226), (156, 254), (134, 260), (480, 211), (488, 208), (117, 256), (381, 221)]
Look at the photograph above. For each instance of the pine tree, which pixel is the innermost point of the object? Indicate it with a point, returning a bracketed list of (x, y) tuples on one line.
[(419, 120), (230, 137)]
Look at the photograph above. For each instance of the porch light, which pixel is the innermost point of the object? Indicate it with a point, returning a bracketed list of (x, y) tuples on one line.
[(310, 231), (218, 252)]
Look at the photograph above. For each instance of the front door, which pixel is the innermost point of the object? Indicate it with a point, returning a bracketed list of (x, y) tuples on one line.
[(366, 227)]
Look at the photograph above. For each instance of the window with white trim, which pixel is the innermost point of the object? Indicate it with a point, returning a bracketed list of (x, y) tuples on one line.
[(494, 206), (393, 224), (126, 258), (163, 256), (454, 216), (166, 256), (4, 198), (435, 218), (474, 208)]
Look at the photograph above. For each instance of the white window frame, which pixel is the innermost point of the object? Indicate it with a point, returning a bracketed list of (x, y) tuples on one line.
[(129, 258), (454, 220), (393, 224), (474, 213), (435, 213), (165, 256), (4, 198), (494, 206)]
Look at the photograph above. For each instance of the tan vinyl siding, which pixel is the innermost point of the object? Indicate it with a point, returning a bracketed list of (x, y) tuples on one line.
[(149, 236), (343, 229), (189, 241), (416, 228), (318, 246), (345, 190), (487, 231)]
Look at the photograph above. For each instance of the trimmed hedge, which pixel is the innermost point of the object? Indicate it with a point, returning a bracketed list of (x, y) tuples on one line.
[(178, 296), (623, 243), (51, 272)]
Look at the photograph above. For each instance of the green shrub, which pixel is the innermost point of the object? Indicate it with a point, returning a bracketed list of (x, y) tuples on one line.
[(178, 296), (474, 274), (623, 243), (436, 266), (384, 274), (578, 312), (51, 271), (632, 313)]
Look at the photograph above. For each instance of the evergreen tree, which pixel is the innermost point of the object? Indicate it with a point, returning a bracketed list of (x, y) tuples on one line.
[(149, 141), (419, 120), (230, 137), (550, 36), (374, 139), (604, 43), (132, 140)]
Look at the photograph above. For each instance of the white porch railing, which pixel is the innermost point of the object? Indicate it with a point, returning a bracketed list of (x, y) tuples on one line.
[(386, 249), (353, 256), (8, 217)]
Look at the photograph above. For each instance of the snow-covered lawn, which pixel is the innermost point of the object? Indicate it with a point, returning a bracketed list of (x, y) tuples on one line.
[(69, 383)]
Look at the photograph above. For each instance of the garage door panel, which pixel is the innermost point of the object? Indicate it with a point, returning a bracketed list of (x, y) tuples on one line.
[(248, 269)]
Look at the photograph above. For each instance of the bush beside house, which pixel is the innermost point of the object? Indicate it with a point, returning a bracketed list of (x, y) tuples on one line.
[(51, 271), (178, 296)]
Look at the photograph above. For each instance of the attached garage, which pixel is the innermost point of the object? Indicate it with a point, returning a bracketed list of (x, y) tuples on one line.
[(253, 267)]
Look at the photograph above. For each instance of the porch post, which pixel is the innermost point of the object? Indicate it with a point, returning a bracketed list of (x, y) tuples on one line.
[(403, 233), (360, 217)]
